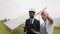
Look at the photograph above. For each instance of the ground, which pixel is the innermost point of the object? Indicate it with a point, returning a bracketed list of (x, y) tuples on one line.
[(19, 30)]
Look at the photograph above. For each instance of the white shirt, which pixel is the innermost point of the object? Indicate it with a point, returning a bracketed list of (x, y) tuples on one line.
[(49, 27), (32, 20)]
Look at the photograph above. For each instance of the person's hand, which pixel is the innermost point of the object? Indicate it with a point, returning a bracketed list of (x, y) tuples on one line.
[(44, 13), (34, 31), (25, 29)]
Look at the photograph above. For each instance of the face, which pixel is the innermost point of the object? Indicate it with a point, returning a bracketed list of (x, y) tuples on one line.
[(43, 17), (31, 14)]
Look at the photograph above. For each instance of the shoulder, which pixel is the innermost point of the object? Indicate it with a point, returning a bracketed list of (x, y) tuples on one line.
[(36, 19), (27, 19)]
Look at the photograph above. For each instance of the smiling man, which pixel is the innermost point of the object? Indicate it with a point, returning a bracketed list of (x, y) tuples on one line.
[(32, 23)]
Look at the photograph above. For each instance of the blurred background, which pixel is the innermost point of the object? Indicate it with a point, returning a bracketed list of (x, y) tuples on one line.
[(14, 9)]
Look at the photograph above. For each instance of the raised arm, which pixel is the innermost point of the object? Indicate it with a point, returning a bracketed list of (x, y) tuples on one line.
[(46, 15), (50, 19)]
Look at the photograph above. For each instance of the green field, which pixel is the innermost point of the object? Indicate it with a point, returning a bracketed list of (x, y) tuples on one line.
[(19, 30)]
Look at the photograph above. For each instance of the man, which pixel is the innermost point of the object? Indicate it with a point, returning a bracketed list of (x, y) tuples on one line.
[(47, 26), (32, 24)]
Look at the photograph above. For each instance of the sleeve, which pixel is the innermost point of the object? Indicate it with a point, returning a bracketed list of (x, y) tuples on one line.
[(25, 26), (38, 26), (26, 23)]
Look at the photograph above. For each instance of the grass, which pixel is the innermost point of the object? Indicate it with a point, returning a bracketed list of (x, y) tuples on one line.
[(19, 30), (56, 30)]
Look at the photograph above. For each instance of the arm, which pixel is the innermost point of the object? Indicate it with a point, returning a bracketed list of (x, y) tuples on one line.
[(25, 26), (50, 19), (38, 26)]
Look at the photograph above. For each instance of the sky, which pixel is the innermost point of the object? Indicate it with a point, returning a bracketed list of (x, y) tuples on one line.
[(12, 9)]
